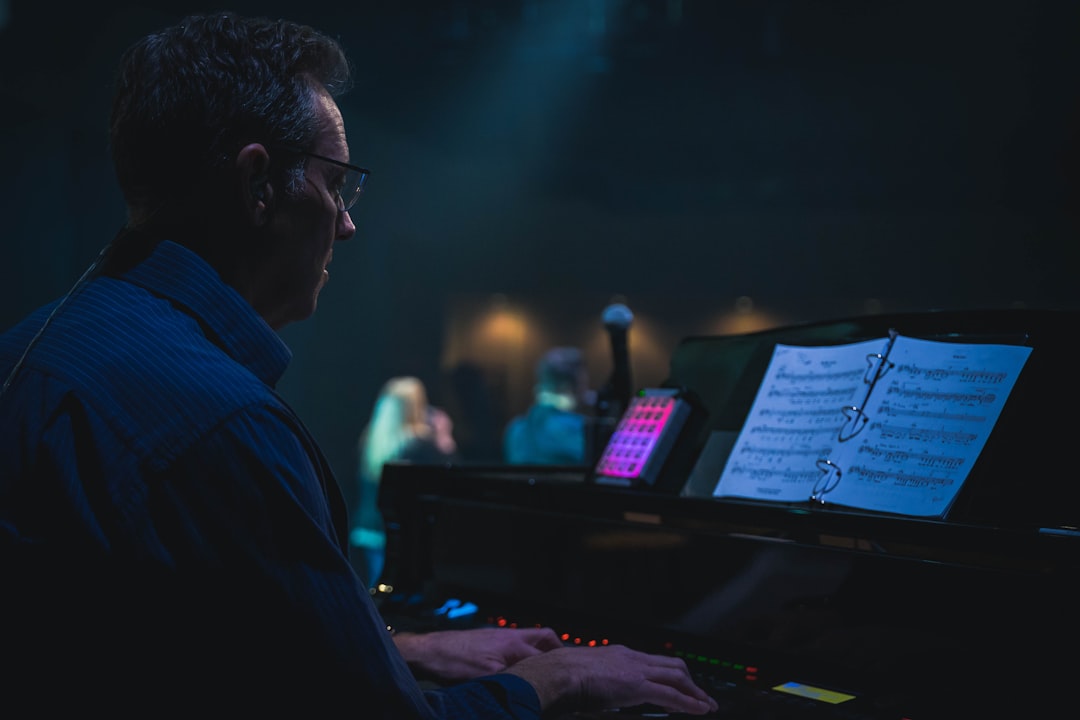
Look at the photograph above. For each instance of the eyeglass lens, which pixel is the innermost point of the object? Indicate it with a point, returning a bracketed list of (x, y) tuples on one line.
[(352, 188)]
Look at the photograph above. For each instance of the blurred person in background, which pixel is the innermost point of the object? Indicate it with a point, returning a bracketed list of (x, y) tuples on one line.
[(553, 430), (404, 427)]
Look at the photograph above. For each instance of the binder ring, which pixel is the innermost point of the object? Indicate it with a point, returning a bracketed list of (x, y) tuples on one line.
[(856, 421), (877, 366), (830, 478)]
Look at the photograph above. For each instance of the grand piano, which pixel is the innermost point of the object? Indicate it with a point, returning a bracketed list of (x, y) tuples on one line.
[(781, 610)]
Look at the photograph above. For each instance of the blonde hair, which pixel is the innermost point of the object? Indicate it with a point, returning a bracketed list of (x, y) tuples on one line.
[(399, 416)]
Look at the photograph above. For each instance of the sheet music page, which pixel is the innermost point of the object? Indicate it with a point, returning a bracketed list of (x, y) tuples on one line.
[(909, 450), (928, 419), (795, 420)]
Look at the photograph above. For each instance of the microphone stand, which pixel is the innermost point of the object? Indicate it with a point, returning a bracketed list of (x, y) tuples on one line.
[(614, 397)]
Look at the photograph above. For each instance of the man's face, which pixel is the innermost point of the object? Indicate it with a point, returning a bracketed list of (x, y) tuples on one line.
[(304, 227)]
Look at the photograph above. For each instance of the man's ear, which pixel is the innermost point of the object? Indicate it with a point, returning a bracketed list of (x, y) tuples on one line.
[(255, 192)]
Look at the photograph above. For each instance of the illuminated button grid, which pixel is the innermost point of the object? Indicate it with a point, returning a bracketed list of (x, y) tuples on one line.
[(637, 433)]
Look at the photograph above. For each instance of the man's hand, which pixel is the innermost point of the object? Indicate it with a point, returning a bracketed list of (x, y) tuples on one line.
[(578, 678), (456, 655), (566, 678)]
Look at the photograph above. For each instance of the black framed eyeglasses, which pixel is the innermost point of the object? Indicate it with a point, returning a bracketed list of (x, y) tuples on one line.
[(352, 183)]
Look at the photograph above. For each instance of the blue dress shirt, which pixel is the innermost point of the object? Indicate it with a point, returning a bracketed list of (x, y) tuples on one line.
[(167, 521)]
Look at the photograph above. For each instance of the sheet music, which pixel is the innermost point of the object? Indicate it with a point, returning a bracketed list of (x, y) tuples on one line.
[(845, 426)]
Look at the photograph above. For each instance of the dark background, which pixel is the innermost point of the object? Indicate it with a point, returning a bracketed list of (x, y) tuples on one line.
[(823, 158)]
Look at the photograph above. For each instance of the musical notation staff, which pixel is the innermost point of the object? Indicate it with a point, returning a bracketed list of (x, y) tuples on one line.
[(893, 424)]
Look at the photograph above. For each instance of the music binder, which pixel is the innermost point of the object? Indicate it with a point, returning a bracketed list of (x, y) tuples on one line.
[(890, 425)]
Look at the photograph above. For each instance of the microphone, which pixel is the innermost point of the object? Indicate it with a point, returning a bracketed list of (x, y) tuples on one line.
[(85, 278), (616, 396)]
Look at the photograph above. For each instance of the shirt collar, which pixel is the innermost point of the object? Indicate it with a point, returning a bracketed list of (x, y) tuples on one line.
[(185, 278)]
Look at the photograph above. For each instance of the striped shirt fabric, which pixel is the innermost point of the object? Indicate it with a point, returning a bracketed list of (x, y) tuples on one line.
[(163, 507)]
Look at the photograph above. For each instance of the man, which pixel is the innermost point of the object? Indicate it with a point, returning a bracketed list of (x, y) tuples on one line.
[(552, 431), (171, 534)]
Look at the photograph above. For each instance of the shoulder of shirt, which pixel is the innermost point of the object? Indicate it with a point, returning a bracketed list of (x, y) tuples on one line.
[(151, 376)]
